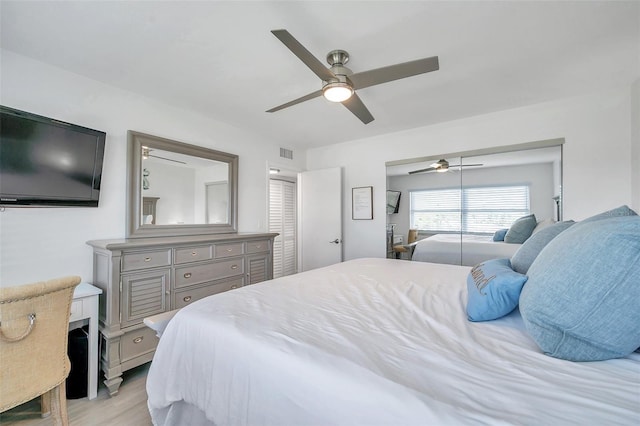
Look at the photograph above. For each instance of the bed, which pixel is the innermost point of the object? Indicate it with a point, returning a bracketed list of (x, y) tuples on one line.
[(372, 342), (457, 249)]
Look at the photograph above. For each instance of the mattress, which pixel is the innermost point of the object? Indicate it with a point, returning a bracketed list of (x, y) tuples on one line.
[(465, 249), (372, 342)]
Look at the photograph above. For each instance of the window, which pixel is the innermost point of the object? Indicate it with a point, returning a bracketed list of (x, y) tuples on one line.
[(481, 210)]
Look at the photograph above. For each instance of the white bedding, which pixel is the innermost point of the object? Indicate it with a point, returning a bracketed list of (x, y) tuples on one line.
[(465, 249), (372, 342)]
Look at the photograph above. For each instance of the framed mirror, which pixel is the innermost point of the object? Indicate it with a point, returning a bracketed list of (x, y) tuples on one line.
[(177, 189)]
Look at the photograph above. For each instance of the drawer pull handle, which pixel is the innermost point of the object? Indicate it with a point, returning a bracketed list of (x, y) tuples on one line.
[(234, 286), (187, 275), (194, 253), (187, 298), (138, 339), (258, 246), (234, 266), (147, 259), (230, 250)]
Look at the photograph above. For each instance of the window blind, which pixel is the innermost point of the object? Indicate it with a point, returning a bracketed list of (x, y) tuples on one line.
[(469, 210)]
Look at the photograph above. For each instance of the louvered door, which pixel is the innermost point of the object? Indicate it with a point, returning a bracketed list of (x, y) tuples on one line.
[(144, 294), (282, 219)]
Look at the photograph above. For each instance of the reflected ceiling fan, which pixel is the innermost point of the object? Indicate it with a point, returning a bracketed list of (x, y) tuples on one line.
[(339, 83), (146, 153), (442, 166)]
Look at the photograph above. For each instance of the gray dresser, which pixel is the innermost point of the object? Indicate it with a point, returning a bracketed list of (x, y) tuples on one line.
[(146, 276)]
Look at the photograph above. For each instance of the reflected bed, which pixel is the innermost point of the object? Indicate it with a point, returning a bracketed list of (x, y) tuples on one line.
[(372, 341), (465, 249)]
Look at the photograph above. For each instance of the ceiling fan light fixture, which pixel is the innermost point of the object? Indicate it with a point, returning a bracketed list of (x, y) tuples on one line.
[(337, 91), (442, 169)]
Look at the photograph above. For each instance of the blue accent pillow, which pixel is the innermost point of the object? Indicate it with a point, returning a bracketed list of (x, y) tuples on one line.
[(582, 299), (499, 234), (617, 212), (527, 253), (493, 290), (521, 229)]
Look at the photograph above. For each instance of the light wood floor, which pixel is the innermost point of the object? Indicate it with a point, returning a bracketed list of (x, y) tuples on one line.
[(128, 408)]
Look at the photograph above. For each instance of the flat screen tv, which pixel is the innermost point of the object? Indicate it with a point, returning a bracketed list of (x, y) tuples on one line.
[(46, 162), (393, 201)]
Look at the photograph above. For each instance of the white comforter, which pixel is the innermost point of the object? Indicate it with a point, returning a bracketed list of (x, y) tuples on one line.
[(372, 342), (465, 249)]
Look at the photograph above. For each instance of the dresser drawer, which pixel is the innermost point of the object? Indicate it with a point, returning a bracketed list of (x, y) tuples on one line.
[(257, 246), (184, 297), (146, 259), (193, 254), (196, 274), (227, 250), (137, 342)]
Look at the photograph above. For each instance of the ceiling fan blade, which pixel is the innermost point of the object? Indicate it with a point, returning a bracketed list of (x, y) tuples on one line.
[(376, 76), (296, 101), (429, 169), (466, 165), (357, 107), (167, 159), (304, 55)]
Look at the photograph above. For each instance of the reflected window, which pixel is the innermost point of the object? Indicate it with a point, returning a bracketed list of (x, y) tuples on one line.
[(471, 210)]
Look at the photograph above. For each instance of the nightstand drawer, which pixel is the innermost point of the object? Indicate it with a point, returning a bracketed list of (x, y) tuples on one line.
[(76, 311)]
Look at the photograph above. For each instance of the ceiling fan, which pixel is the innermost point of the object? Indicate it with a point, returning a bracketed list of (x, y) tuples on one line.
[(146, 153), (442, 166), (339, 83)]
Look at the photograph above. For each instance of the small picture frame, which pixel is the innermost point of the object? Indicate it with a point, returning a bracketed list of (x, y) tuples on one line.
[(362, 203)]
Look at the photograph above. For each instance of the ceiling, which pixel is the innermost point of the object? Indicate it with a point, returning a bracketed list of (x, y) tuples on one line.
[(220, 60)]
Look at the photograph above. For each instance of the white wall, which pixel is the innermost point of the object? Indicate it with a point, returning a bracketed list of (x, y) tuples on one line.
[(635, 146), (596, 129), (175, 188), (48, 242)]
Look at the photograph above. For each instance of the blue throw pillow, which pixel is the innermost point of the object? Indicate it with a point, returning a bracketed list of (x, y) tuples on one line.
[(617, 212), (527, 253), (493, 290), (499, 234), (521, 229), (582, 299)]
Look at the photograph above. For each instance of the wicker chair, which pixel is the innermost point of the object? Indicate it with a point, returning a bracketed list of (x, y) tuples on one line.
[(34, 322)]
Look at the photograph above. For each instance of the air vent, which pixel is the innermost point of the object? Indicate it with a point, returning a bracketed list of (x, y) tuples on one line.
[(286, 153)]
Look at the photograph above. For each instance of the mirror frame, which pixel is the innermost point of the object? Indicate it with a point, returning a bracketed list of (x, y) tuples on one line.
[(135, 142)]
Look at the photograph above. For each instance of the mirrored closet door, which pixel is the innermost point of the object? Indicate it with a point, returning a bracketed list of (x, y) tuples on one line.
[(458, 207)]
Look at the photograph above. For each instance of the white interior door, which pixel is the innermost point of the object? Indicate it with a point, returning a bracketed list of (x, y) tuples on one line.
[(320, 213)]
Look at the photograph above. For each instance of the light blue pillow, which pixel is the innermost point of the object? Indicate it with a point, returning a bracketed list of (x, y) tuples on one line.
[(499, 234), (493, 290), (582, 299), (521, 229), (617, 212), (527, 253)]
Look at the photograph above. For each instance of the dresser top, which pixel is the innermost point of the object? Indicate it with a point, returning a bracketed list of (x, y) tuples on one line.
[(128, 243)]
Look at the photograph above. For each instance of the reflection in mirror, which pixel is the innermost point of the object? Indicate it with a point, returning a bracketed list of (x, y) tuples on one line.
[(458, 212), (180, 184), (179, 189)]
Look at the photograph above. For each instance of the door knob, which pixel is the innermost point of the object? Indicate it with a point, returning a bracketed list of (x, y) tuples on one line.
[(336, 241)]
